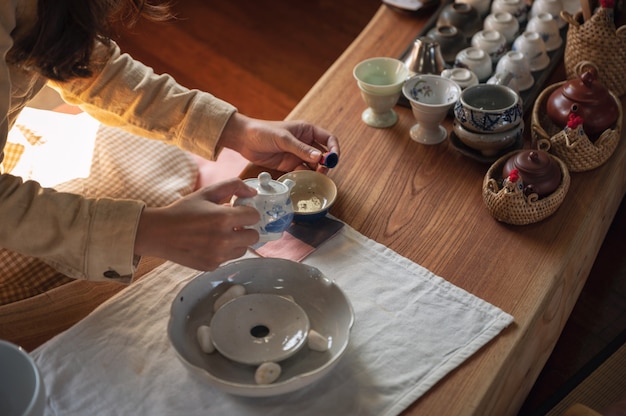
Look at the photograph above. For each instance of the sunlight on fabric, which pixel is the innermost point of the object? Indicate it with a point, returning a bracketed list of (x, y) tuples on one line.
[(51, 147)]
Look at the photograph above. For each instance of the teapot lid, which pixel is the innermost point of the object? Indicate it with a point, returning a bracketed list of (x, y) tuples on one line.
[(586, 88), (265, 185), (534, 163)]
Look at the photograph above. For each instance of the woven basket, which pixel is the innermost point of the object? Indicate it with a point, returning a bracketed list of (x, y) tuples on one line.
[(516, 208), (598, 41), (576, 150)]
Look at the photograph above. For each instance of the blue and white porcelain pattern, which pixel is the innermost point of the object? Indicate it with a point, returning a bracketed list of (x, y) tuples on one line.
[(489, 108)]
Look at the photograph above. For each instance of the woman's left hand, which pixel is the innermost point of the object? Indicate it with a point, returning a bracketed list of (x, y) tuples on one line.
[(280, 145)]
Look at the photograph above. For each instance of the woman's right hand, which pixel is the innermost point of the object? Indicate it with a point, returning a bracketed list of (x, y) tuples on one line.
[(199, 231)]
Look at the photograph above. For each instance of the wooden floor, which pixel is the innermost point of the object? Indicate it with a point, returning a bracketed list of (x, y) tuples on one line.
[(264, 55)]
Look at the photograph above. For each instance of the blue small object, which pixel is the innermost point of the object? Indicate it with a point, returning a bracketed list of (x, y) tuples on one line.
[(330, 159)]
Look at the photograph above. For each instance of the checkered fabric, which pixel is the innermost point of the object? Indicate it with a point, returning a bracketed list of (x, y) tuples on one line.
[(123, 166)]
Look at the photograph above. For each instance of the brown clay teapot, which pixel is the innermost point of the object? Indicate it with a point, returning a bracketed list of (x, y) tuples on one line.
[(539, 172), (586, 97)]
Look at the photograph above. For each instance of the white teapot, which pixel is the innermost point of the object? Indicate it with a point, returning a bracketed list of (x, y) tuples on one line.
[(273, 202)]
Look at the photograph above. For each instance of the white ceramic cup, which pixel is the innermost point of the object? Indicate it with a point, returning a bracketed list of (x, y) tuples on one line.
[(22, 390), (534, 49), (504, 78), (476, 60), (462, 76), (481, 6), (544, 24), (503, 22), (431, 97), (553, 7), (516, 63), (380, 81), (516, 7), (490, 41)]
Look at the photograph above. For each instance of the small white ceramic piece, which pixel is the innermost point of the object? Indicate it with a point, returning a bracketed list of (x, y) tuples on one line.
[(317, 342), (462, 76), (267, 373), (534, 49), (273, 203), (516, 7), (488, 108), (323, 301), (431, 97), (476, 60), (489, 144), (312, 195), (552, 7), (203, 334), (228, 295), (516, 63), (544, 24), (22, 389), (380, 81), (503, 22), (492, 42)]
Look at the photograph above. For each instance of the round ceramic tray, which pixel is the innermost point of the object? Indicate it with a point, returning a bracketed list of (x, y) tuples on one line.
[(327, 307)]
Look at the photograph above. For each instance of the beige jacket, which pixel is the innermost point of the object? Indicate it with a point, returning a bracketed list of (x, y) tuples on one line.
[(87, 238)]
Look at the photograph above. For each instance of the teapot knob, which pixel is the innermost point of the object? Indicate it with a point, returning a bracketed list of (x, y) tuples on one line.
[(264, 180)]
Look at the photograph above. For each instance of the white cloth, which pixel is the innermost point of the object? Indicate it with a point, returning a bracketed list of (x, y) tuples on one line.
[(411, 329)]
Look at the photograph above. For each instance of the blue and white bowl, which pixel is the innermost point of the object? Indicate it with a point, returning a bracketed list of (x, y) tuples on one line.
[(489, 108)]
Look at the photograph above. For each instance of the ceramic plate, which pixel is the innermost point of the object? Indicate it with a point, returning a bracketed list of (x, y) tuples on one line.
[(329, 311)]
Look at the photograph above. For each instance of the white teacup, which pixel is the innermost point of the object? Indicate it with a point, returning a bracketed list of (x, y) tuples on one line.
[(553, 7), (490, 41), (462, 76), (544, 24), (431, 97), (504, 78), (476, 60), (534, 49), (503, 22), (516, 7), (516, 63), (481, 6), (22, 391)]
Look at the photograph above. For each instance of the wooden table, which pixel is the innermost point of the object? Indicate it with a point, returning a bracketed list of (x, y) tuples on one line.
[(425, 202)]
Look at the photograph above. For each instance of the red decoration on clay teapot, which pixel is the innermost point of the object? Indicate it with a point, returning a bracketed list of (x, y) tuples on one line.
[(540, 173), (587, 98)]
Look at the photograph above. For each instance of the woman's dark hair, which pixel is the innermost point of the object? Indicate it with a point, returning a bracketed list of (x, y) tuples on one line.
[(60, 44)]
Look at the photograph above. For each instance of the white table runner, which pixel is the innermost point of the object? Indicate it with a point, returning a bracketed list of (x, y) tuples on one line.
[(412, 328)]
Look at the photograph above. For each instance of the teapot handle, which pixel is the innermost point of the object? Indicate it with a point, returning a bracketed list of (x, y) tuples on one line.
[(543, 144), (582, 66)]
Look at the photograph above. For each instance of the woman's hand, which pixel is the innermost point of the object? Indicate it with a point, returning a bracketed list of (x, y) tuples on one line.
[(280, 145), (198, 231)]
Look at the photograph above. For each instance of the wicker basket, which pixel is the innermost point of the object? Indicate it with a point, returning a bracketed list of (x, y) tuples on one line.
[(598, 41), (514, 207), (578, 152)]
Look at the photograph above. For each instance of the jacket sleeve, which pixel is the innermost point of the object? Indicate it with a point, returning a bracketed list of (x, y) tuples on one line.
[(83, 238), (127, 94)]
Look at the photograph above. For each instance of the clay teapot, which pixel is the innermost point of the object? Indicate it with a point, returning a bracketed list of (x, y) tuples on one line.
[(586, 97), (539, 172)]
